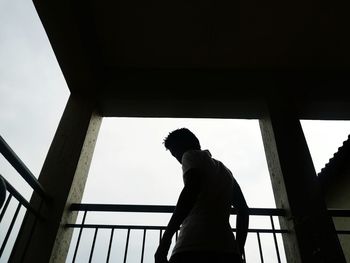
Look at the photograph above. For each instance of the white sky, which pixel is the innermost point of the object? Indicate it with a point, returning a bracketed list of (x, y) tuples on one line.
[(131, 153), (130, 164)]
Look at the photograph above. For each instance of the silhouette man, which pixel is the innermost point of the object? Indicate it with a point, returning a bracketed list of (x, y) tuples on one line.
[(203, 208)]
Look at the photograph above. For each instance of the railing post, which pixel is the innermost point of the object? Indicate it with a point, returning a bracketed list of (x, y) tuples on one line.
[(63, 177), (2, 191), (312, 236)]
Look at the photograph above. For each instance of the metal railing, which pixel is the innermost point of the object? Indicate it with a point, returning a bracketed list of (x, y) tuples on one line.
[(94, 208), (21, 168), (254, 233), (11, 192)]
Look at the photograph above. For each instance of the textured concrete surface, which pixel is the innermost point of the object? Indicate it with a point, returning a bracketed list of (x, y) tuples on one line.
[(63, 177), (312, 236)]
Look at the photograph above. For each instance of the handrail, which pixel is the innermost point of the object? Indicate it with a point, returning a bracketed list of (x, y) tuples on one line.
[(20, 198), (160, 209), (21, 168), (170, 208), (153, 227)]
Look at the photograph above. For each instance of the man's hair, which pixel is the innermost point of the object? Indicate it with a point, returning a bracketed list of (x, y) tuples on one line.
[(181, 138)]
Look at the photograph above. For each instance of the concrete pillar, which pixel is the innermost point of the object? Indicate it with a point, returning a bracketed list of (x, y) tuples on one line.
[(63, 177), (312, 236)]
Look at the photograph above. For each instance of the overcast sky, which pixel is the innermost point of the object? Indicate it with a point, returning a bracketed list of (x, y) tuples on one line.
[(130, 164), (33, 94)]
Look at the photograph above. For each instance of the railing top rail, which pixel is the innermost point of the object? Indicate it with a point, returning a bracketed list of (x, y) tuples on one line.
[(21, 168), (20, 198), (160, 209), (154, 227)]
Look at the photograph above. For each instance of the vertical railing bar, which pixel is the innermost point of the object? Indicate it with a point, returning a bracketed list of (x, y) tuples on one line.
[(5, 206), (244, 260), (143, 245), (79, 236), (110, 245), (93, 244), (10, 229), (275, 239), (126, 246), (176, 235), (31, 232), (260, 249)]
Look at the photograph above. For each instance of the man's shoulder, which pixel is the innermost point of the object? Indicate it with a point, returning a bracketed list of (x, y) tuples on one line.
[(197, 153), (194, 159), (191, 156)]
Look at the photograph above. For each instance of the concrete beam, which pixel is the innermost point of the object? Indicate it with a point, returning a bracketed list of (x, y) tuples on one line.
[(63, 177), (312, 236)]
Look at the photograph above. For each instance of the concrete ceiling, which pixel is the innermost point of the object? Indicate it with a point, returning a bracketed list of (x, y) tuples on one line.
[(203, 58)]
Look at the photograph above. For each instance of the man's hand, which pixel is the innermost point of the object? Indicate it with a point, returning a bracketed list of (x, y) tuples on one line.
[(160, 257), (242, 220), (183, 207), (161, 254)]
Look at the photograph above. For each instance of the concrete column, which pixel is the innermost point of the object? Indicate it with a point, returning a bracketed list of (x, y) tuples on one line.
[(63, 177), (312, 236)]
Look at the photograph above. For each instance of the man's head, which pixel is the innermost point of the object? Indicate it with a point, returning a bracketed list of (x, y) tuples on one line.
[(179, 141)]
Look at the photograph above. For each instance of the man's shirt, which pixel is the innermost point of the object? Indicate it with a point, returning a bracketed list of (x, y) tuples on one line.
[(207, 225)]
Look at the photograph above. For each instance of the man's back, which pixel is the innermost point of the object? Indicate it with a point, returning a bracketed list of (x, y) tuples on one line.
[(207, 225)]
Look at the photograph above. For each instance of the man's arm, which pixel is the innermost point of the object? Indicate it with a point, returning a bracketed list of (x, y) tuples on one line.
[(183, 207), (242, 221)]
